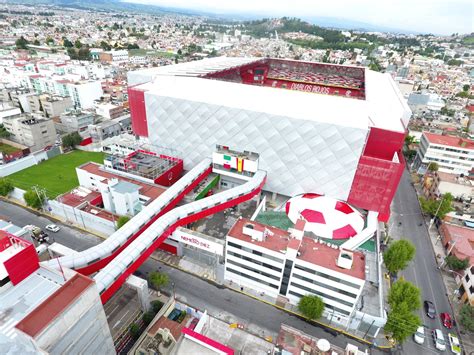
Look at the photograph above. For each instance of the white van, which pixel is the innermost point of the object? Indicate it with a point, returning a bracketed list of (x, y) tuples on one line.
[(41, 249)]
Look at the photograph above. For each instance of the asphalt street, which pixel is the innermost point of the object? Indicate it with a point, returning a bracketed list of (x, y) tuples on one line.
[(199, 293), (423, 270)]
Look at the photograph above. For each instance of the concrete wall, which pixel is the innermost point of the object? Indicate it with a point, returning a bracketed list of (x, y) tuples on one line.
[(17, 194), (81, 218), (28, 161)]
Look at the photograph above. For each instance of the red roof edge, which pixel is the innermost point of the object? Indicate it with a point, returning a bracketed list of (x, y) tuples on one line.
[(208, 341), (54, 305)]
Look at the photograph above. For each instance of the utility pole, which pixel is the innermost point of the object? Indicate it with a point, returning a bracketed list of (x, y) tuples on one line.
[(436, 213)]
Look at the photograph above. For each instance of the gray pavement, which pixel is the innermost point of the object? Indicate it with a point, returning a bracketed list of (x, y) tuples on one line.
[(423, 270), (68, 236)]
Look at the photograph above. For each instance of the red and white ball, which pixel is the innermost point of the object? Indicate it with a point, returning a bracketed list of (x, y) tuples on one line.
[(326, 217)]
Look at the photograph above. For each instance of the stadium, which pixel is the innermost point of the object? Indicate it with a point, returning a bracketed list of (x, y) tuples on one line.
[(321, 128)]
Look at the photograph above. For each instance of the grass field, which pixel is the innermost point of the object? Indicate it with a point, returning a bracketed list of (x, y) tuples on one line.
[(56, 175), (152, 53), (7, 149)]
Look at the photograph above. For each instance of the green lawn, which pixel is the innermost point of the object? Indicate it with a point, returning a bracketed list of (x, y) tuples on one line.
[(7, 149), (56, 175)]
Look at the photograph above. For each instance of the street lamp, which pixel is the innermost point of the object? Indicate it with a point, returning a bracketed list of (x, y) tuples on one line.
[(436, 213), (174, 292)]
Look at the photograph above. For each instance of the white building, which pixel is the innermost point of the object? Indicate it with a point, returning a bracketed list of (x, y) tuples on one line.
[(453, 155), (289, 265), (84, 93), (425, 102)]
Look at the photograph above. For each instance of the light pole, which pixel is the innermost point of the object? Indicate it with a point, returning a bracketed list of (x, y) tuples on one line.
[(436, 213), (174, 292)]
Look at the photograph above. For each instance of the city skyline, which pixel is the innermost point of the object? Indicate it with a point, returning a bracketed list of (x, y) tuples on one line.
[(422, 16)]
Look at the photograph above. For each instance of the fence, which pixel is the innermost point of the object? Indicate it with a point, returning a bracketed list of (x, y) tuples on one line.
[(26, 162)]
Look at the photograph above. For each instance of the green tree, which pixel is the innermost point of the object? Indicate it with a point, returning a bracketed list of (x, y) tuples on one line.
[(456, 264), (466, 87), (36, 42), (121, 221), (403, 291), (156, 306), (311, 306), (105, 46), (466, 317), (409, 139), (71, 140), (49, 41), (33, 199), (148, 317), (134, 331), (398, 255), (433, 167), (77, 44), (84, 54), (6, 187), (437, 208), (67, 43), (3, 132), (401, 323), (158, 279), (21, 43)]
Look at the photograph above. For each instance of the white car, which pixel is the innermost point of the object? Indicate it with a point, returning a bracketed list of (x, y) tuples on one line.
[(438, 339), (454, 343), (419, 336), (53, 228)]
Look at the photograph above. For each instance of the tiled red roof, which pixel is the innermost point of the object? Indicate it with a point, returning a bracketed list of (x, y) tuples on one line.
[(463, 238), (449, 140)]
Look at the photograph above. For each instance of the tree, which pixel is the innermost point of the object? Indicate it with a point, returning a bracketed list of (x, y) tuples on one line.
[(403, 291), (121, 221), (21, 43), (401, 323), (105, 46), (466, 87), (33, 199), (398, 255), (84, 54), (158, 279), (311, 306), (49, 41), (67, 43), (132, 46), (148, 317), (156, 306), (71, 140), (409, 139), (77, 44), (466, 317), (134, 331), (36, 42), (3, 132), (433, 167), (437, 208), (6, 187), (456, 264)]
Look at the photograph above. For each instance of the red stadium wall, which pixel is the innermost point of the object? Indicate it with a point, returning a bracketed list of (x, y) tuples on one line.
[(22, 264), (383, 144), (375, 184), (136, 99)]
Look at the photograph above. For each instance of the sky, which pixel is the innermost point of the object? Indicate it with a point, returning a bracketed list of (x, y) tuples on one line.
[(425, 16)]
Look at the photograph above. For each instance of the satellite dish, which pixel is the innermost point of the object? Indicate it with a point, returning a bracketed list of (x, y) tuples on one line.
[(323, 345)]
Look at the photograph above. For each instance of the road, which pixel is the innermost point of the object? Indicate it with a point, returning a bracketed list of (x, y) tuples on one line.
[(199, 293), (69, 236), (423, 270)]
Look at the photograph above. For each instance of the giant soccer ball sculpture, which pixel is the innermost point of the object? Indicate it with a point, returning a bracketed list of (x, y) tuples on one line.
[(326, 217)]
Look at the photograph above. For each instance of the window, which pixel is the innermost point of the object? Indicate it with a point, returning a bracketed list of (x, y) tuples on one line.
[(326, 276), (317, 283), (325, 305), (350, 304), (471, 289), (255, 252), (467, 278), (253, 270), (251, 277), (256, 262)]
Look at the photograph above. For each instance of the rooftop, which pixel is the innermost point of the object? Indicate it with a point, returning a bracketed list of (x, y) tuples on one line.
[(383, 107), (451, 141), (125, 187), (148, 190), (51, 307), (310, 250), (464, 239)]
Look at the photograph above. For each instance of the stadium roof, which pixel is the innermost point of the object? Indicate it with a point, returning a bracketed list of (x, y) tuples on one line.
[(384, 106)]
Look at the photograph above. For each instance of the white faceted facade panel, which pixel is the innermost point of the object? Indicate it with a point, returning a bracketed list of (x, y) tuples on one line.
[(298, 155)]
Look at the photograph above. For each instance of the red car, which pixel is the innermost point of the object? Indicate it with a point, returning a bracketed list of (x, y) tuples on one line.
[(193, 324), (446, 320)]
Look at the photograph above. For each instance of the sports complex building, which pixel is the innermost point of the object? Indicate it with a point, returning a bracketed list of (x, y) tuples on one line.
[(328, 129)]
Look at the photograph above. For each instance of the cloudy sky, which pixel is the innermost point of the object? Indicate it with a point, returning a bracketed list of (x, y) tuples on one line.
[(435, 16)]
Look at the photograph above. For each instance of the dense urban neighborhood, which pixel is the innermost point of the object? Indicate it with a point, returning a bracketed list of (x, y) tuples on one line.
[(184, 183)]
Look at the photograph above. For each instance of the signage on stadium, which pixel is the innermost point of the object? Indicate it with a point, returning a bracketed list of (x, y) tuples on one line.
[(183, 236)]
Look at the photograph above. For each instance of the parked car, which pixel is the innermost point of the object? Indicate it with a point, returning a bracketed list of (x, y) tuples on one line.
[(446, 320), (52, 228), (430, 309), (175, 313), (419, 336), (193, 323), (454, 344), (438, 339)]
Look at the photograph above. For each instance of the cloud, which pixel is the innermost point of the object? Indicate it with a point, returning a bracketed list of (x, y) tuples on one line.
[(435, 16)]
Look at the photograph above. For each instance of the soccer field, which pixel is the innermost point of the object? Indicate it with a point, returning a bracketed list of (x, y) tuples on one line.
[(56, 175)]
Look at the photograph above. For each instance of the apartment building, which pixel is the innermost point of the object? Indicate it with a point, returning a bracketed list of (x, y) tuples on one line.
[(452, 154), (108, 110), (76, 121), (51, 105), (36, 133), (440, 183), (110, 128), (466, 290), (289, 265), (114, 57)]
